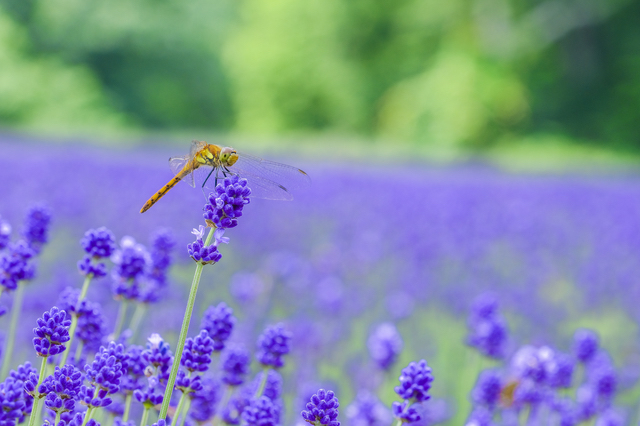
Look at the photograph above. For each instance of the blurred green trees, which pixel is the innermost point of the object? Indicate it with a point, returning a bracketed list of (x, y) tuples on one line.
[(454, 73)]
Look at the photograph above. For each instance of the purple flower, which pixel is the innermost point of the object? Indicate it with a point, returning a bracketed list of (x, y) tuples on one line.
[(235, 365), (272, 386), (91, 328), (487, 389), (219, 322), (529, 362), (162, 244), (204, 401), (93, 396), (610, 418), (134, 377), (385, 344), (5, 233), (405, 411), (158, 357), (152, 395), (559, 370), (489, 336), (62, 388), (260, 412), (480, 416), (87, 266), (107, 368), (484, 307), (98, 243), (201, 253), (585, 344), (52, 331), (322, 409), (36, 227), (14, 265), (226, 203), (197, 352), (367, 410), (602, 376), (12, 401), (188, 384), (415, 382), (273, 344), (131, 260)]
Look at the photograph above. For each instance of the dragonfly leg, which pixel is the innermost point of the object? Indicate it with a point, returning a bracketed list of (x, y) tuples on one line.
[(205, 181)]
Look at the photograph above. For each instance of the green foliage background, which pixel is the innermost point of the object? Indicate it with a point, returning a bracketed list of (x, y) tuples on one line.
[(458, 73)]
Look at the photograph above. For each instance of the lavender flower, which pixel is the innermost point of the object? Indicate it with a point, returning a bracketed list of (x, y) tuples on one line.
[(162, 243), (585, 345), (12, 401), (205, 254), (188, 384), (480, 416), (98, 243), (36, 227), (235, 365), (273, 344), (487, 389), (260, 412), (204, 401), (197, 352), (226, 203), (152, 395), (158, 357), (559, 371), (5, 233), (62, 388), (134, 377), (219, 322), (415, 382), (51, 333), (107, 368), (367, 410), (273, 384), (322, 409), (132, 259), (405, 411), (385, 344), (14, 265)]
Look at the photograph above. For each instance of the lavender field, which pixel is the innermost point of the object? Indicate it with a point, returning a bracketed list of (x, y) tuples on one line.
[(533, 279)]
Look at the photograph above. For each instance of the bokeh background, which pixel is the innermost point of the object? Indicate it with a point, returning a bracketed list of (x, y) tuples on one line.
[(455, 148)]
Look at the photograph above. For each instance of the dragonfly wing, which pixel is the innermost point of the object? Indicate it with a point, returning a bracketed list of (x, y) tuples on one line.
[(177, 164), (196, 146), (272, 180)]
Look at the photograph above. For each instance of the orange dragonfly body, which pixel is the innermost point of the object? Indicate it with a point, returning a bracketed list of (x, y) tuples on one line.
[(207, 163)]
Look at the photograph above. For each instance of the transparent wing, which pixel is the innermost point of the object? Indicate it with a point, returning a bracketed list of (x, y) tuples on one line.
[(177, 164), (270, 180), (196, 146)]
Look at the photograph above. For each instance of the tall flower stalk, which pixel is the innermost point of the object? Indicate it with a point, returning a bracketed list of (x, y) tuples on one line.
[(222, 211)]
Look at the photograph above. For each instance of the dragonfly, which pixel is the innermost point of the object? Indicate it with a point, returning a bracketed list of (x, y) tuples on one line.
[(207, 164)]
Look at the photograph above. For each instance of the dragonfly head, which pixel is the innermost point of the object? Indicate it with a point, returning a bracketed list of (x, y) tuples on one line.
[(228, 156)]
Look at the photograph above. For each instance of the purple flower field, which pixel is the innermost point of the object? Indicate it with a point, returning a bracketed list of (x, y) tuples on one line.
[(520, 294)]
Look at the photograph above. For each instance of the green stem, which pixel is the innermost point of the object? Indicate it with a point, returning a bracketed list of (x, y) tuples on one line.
[(78, 354), (57, 419), (187, 405), (225, 400), (16, 308), (397, 422), (72, 332), (85, 287), (90, 411), (136, 319), (36, 399), (183, 333), (122, 313), (178, 409), (127, 406), (145, 416), (263, 382)]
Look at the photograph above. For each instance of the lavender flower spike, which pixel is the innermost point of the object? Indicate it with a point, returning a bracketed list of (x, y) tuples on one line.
[(273, 344), (51, 333), (322, 409), (415, 382)]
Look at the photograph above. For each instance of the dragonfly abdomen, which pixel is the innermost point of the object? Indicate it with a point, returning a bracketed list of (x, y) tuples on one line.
[(155, 197)]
